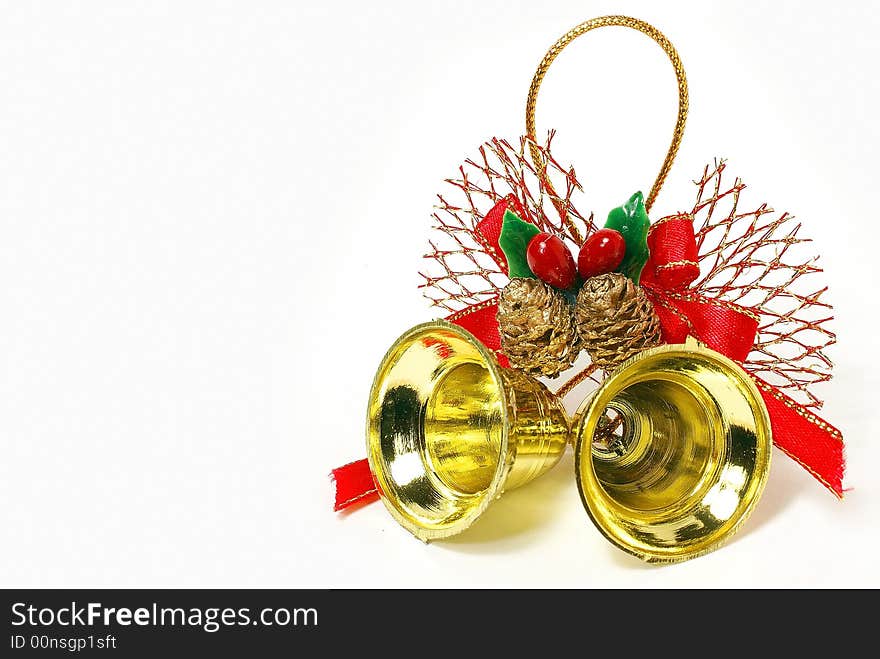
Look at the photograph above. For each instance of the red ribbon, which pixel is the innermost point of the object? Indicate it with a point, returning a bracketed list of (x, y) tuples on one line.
[(354, 484), (481, 320), (731, 330), (806, 438)]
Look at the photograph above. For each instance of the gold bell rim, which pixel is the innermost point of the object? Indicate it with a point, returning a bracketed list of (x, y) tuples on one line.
[(584, 454), (486, 496)]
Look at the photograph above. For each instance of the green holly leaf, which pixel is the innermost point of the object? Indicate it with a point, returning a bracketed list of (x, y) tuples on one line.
[(631, 221), (514, 240)]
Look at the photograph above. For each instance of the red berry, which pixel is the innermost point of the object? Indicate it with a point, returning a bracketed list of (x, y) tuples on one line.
[(550, 260), (602, 252)]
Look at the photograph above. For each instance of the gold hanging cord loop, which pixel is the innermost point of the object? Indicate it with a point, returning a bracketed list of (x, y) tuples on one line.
[(567, 38)]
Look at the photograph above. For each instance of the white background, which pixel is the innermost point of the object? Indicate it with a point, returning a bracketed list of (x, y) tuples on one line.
[(211, 220)]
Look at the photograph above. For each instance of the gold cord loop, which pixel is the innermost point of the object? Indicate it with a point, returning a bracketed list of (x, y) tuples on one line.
[(583, 28)]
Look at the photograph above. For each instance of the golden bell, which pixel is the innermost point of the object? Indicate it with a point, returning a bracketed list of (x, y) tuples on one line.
[(688, 460), (448, 429)]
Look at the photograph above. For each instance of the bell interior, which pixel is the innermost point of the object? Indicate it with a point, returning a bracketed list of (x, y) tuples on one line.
[(437, 431), (672, 454), (661, 453)]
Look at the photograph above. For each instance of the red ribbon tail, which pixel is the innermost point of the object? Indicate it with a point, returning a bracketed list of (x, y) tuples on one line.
[(354, 484), (809, 440)]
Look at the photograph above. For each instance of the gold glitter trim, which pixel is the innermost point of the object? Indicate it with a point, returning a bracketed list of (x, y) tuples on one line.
[(472, 309), (673, 264)]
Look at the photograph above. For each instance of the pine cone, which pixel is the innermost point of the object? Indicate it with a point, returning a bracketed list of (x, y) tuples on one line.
[(537, 328), (615, 319)]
